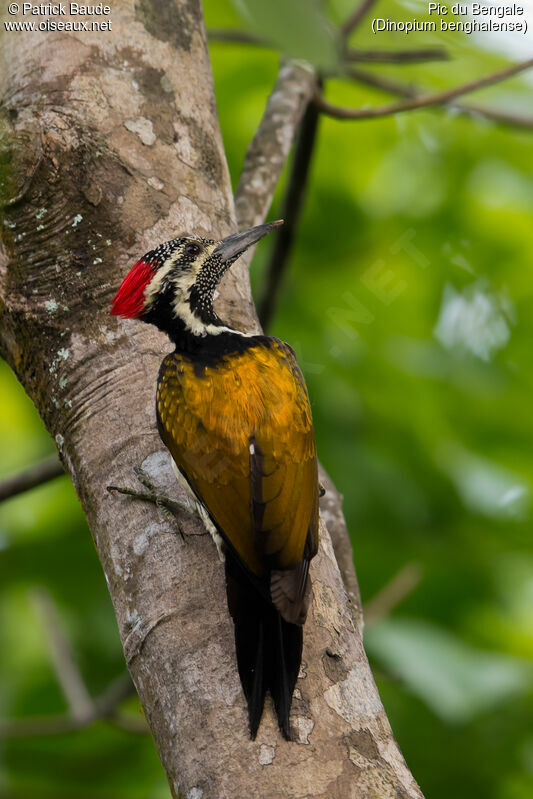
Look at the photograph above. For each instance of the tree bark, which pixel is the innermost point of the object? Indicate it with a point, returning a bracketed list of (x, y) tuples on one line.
[(111, 145)]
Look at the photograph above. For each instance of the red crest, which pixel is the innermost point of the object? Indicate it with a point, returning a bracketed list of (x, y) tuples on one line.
[(129, 299)]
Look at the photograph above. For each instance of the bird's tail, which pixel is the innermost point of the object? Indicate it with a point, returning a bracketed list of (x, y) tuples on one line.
[(269, 649)]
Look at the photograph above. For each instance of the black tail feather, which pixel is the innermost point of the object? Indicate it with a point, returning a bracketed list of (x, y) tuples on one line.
[(269, 649), (285, 668)]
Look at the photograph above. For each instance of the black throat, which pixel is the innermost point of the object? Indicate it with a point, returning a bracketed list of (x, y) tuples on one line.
[(203, 349)]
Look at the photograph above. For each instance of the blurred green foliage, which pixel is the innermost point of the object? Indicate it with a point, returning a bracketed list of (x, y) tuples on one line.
[(409, 303)]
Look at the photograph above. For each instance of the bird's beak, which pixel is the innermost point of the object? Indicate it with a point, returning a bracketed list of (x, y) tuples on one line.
[(232, 246)]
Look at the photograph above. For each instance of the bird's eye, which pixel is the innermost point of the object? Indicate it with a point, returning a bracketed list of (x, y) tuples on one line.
[(192, 249)]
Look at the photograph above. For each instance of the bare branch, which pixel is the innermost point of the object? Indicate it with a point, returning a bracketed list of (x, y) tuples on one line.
[(263, 164), (395, 591), (438, 98), (271, 144), (408, 90), (397, 56), (104, 707), (292, 206), (232, 36), (355, 19), (83, 709), (43, 472)]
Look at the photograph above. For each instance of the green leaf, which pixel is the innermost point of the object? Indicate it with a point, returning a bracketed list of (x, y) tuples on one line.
[(484, 486), (455, 680), (298, 28)]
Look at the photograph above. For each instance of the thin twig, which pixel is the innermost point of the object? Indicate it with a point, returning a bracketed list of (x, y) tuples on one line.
[(116, 692), (292, 206), (395, 591), (505, 117), (130, 723), (355, 19), (43, 472), (232, 36), (439, 98), (68, 675), (400, 89), (397, 56), (108, 703), (35, 726), (382, 83), (235, 36)]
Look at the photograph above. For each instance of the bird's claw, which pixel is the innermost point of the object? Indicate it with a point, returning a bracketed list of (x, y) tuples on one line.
[(169, 507)]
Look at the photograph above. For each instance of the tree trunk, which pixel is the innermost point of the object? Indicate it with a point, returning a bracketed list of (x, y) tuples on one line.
[(111, 145)]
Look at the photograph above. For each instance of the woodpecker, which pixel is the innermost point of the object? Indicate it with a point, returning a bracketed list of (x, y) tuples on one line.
[(233, 410)]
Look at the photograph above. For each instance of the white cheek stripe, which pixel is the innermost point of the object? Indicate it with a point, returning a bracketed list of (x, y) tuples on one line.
[(152, 289), (183, 282), (195, 325)]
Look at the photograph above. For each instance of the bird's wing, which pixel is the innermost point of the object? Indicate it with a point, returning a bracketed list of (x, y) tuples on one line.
[(241, 432)]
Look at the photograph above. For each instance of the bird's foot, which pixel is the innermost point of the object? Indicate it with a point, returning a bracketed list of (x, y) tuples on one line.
[(170, 508)]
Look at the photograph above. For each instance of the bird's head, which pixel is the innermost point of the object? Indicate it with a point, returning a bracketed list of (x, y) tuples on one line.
[(174, 284)]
